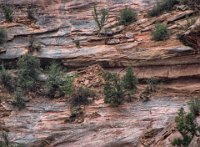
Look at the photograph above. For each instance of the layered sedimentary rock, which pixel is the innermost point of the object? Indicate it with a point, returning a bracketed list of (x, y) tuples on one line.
[(42, 122), (57, 25), (192, 36)]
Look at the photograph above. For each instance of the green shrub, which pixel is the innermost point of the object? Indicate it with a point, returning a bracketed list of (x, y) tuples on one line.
[(161, 32), (156, 10), (127, 16), (187, 126), (55, 81), (80, 96), (29, 68), (3, 35), (113, 90), (59, 84), (68, 87), (164, 5), (100, 17), (195, 107), (109, 76), (8, 13), (129, 80), (19, 99), (6, 80)]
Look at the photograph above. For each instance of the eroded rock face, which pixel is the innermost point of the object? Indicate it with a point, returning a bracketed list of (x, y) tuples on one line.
[(43, 122), (192, 36), (164, 137), (59, 24), (195, 142)]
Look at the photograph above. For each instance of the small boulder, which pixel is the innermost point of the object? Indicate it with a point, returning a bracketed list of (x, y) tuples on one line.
[(129, 35), (106, 32), (182, 7), (180, 50), (195, 142), (42, 77), (180, 16), (118, 29), (118, 36), (113, 41), (86, 82)]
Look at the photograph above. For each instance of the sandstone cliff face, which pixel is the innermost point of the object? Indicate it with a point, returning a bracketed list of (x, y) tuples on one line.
[(58, 23), (42, 123), (192, 36)]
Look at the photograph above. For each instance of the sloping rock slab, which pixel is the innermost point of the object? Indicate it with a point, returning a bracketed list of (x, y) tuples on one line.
[(13, 53), (180, 16), (195, 142), (180, 50), (62, 53), (192, 36)]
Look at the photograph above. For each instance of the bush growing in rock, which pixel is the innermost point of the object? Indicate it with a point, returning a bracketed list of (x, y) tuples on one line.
[(109, 76), (161, 32), (68, 86), (55, 81), (29, 68), (160, 7), (3, 35), (187, 126), (100, 17), (6, 80), (19, 99), (127, 16), (8, 12), (81, 96), (113, 90), (155, 11), (58, 84), (129, 80), (195, 107)]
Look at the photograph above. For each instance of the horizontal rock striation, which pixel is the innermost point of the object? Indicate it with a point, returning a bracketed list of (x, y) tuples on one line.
[(59, 24)]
